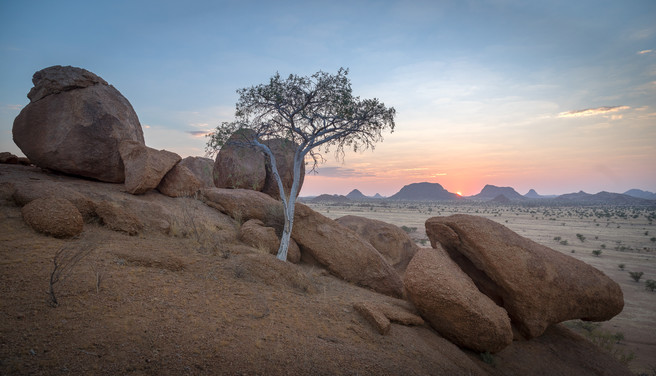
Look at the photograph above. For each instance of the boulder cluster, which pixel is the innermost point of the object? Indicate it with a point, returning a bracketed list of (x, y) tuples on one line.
[(481, 286)]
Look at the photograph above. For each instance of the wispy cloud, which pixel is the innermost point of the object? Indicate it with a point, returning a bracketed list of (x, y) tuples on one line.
[(340, 172), (199, 133), (604, 110), (14, 107), (645, 52)]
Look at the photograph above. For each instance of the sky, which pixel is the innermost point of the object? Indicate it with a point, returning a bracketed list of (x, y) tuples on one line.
[(557, 96)]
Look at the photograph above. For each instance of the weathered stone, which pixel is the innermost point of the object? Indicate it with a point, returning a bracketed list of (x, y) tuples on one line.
[(25, 193), (535, 284), (293, 252), (8, 158), (381, 315), (343, 252), (145, 167), (391, 241), (201, 167), (254, 233), (449, 300), (244, 204), (74, 123), (118, 219), (179, 182), (283, 150), (238, 165), (53, 216), (374, 316)]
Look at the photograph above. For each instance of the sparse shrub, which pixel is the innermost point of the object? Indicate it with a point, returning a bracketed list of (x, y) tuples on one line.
[(653, 239), (580, 237), (621, 266), (557, 238), (573, 251), (650, 285), (636, 275), (603, 246), (65, 259), (408, 229), (563, 242), (597, 252), (488, 358), (602, 338)]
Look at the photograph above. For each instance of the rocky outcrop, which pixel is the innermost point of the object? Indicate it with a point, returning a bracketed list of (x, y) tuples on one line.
[(53, 216), (179, 182), (381, 316), (449, 300), (254, 233), (239, 165), (8, 158), (393, 243), (118, 219), (283, 150), (535, 284), (27, 192), (244, 204), (201, 168), (343, 252), (74, 124), (145, 167)]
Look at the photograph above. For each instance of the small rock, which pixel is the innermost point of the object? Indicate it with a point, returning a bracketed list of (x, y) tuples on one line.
[(53, 216)]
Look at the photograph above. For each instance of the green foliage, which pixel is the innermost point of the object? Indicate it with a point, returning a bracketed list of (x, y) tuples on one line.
[(580, 237), (488, 358), (597, 252), (621, 266), (650, 285), (408, 229), (636, 275), (563, 242), (557, 238)]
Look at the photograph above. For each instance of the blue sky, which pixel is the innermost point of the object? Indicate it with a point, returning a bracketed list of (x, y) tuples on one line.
[(555, 96)]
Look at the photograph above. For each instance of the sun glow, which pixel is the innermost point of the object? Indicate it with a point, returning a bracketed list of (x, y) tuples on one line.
[(459, 194)]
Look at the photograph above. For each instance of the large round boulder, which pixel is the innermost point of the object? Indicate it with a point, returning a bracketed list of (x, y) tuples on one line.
[(393, 243), (449, 300), (238, 164), (74, 123), (53, 216), (283, 151), (535, 284)]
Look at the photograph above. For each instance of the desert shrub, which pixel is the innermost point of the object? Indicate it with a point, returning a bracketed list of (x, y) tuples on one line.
[(597, 252), (580, 237), (636, 275), (650, 285), (563, 242), (408, 229), (557, 238), (65, 259), (488, 358), (621, 266), (602, 338)]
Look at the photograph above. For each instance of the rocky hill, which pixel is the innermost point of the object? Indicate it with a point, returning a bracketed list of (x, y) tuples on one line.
[(356, 195), (641, 194), (489, 192), (532, 194), (423, 192), (601, 198), (333, 199)]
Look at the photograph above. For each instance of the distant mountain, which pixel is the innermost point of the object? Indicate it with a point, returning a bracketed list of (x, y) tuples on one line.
[(377, 195), (532, 194), (491, 191), (326, 198), (356, 195), (641, 194), (601, 198), (423, 192)]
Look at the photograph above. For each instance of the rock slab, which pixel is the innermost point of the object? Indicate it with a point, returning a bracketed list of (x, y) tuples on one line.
[(145, 167), (535, 284), (450, 301), (74, 124)]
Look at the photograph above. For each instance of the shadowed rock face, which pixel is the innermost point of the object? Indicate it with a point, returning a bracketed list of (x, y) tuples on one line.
[(239, 165), (343, 252), (452, 304), (535, 284), (74, 124), (393, 243)]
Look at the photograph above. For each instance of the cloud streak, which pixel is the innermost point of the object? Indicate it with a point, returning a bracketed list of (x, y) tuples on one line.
[(340, 172), (592, 111), (199, 133)]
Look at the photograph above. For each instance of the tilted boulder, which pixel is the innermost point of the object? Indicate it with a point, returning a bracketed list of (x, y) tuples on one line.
[(535, 284), (201, 167), (145, 167), (179, 182), (239, 165), (244, 204), (343, 252), (391, 241), (74, 124), (53, 216), (283, 150), (8, 158), (254, 233), (449, 300)]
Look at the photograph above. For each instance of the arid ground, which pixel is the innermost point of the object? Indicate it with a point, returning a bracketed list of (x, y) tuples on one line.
[(186, 297), (625, 236)]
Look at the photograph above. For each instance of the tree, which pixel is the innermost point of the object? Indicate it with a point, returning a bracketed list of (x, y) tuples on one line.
[(316, 113)]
